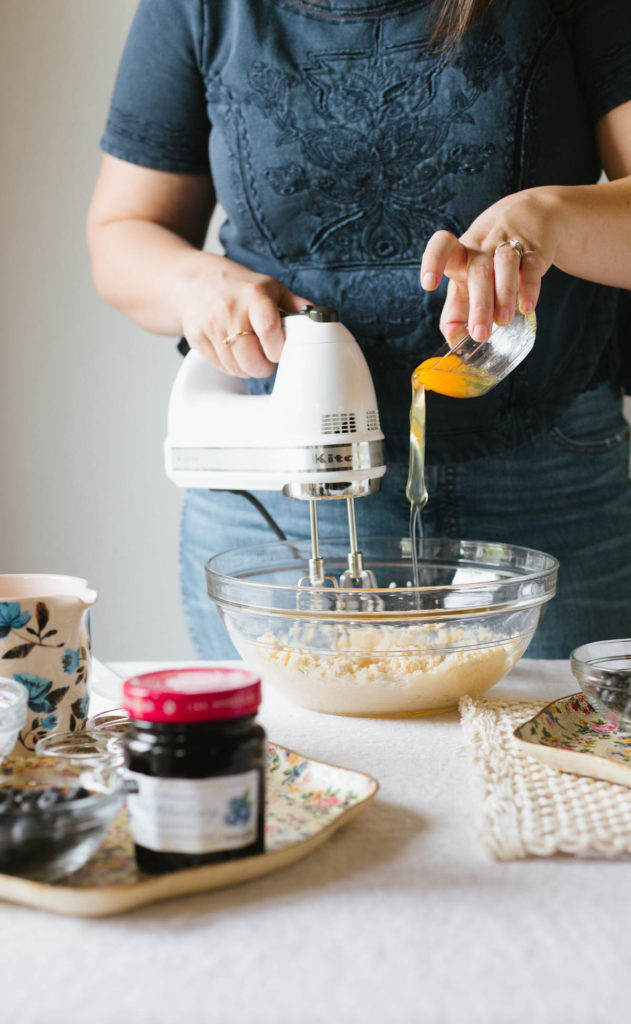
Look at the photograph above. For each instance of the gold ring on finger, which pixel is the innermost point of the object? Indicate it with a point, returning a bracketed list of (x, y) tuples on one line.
[(233, 337), (515, 245)]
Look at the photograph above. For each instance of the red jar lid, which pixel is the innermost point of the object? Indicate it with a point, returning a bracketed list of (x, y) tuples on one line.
[(192, 694)]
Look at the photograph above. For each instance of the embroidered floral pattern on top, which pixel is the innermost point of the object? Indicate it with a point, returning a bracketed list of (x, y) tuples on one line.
[(344, 10), (369, 138), (501, 115)]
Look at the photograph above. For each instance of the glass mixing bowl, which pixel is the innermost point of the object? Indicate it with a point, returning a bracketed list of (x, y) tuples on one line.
[(391, 650)]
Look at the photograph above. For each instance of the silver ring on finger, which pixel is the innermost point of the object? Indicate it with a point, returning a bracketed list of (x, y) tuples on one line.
[(233, 337), (515, 245)]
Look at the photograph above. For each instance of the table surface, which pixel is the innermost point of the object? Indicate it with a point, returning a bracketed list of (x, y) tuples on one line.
[(399, 916)]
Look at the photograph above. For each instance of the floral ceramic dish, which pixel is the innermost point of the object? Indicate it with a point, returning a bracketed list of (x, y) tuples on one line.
[(306, 802), (571, 736)]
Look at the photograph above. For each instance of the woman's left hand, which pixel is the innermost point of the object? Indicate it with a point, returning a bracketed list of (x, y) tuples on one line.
[(488, 277)]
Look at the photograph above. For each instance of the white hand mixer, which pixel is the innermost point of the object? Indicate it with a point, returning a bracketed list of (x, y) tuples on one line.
[(315, 437)]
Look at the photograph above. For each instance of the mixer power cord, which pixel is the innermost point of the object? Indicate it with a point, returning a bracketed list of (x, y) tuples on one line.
[(263, 511), (266, 516)]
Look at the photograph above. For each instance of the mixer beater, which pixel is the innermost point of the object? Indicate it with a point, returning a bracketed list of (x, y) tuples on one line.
[(316, 437)]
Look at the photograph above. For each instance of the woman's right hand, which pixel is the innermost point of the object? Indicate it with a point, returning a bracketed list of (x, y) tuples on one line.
[(145, 231), (222, 300)]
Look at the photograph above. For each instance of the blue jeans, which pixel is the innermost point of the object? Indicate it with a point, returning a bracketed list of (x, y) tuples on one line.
[(567, 492)]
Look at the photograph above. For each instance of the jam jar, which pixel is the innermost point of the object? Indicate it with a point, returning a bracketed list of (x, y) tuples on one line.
[(194, 766)]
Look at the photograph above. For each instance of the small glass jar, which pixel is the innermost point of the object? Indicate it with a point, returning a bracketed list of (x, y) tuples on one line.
[(194, 766), (83, 746), (113, 721), (13, 713)]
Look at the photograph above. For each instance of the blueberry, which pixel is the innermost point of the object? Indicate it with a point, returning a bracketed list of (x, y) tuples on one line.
[(29, 800), (22, 831), (49, 797), (7, 794), (76, 793), (621, 679)]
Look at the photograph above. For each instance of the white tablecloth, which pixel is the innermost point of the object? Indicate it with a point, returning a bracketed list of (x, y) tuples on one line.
[(400, 916)]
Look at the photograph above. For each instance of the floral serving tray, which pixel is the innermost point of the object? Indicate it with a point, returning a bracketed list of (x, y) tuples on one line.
[(569, 735), (306, 801)]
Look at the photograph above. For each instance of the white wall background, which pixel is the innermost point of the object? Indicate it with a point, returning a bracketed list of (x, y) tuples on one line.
[(83, 393)]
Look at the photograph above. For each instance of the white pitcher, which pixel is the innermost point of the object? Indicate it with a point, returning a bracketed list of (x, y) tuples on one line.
[(45, 645)]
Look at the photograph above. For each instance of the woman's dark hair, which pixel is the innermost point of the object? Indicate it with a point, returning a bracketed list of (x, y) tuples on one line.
[(451, 20)]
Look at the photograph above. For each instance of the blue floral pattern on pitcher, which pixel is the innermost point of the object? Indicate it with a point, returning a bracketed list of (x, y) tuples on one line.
[(11, 617), (25, 633)]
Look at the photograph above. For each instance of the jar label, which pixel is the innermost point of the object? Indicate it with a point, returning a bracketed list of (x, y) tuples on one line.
[(193, 815)]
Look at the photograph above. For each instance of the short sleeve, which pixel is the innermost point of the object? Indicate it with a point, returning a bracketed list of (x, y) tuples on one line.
[(602, 50), (158, 116)]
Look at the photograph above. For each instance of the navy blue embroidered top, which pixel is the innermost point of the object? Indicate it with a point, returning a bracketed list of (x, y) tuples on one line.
[(338, 143)]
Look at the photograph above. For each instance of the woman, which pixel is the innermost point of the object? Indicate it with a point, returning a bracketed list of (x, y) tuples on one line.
[(344, 139)]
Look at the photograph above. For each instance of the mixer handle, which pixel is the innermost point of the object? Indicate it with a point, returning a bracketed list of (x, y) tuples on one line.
[(321, 314)]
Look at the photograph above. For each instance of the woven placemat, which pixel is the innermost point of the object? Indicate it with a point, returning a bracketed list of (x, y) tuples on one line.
[(527, 808)]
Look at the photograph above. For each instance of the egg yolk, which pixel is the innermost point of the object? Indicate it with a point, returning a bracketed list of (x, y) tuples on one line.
[(453, 378)]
